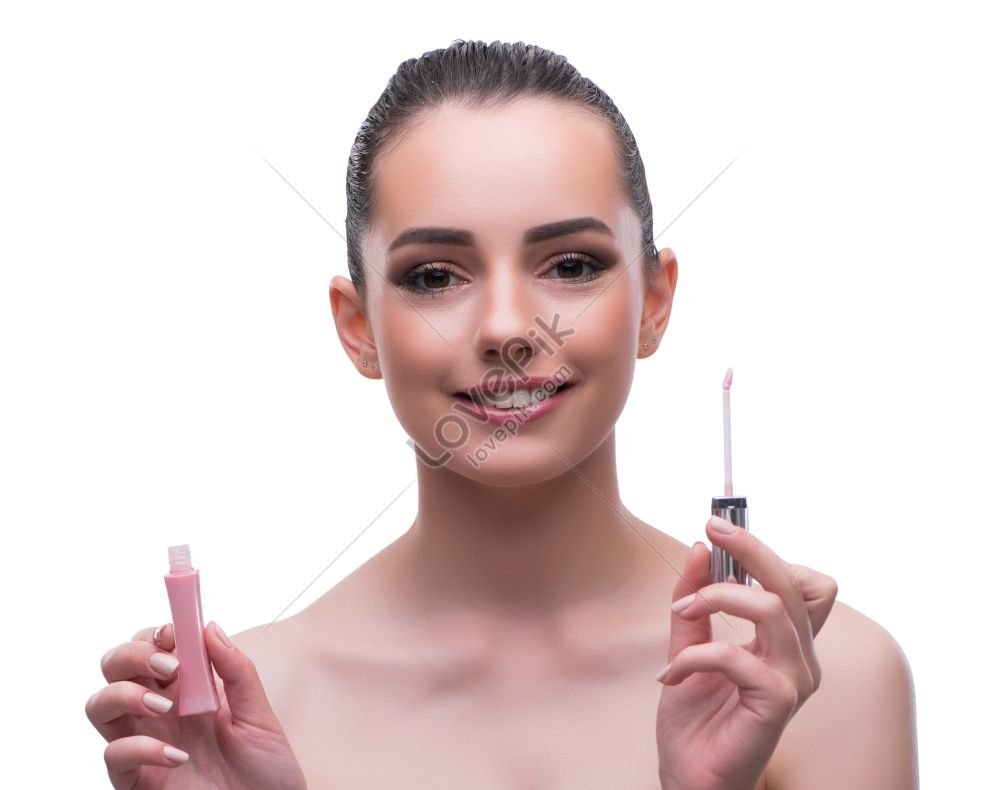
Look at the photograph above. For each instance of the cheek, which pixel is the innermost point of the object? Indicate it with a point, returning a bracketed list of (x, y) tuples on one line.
[(414, 368), (605, 348), (415, 363), (606, 334)]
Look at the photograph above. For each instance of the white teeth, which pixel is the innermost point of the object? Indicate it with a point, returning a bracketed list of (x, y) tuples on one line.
[(518, 399)]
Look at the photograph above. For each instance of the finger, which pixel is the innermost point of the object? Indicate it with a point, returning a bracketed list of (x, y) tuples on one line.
[(163, 637), (164, 640), (776, 635), (762, 689), (766, 567), (819, 592), (139, 659), (125, 756), (696, 573), (244, 693), (125, 698)]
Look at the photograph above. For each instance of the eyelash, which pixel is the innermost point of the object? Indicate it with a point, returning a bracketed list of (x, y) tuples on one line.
[(409, 282)]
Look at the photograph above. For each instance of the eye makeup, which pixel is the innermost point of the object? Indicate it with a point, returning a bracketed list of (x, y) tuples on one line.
[(411, 280)]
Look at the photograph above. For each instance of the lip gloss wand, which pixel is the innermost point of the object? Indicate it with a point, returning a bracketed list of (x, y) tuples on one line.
[(725, 568)]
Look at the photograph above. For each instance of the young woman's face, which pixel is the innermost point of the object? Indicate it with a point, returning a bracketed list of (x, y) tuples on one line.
[(490, 304)]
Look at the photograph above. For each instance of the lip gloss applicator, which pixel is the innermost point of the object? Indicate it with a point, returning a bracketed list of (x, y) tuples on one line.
[(196, 683), (725, 568)]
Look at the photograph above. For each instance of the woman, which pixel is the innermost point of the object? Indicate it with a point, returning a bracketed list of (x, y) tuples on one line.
[(500, 237)]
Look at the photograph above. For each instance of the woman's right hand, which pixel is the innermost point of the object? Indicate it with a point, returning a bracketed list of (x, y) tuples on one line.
[(242, 746)]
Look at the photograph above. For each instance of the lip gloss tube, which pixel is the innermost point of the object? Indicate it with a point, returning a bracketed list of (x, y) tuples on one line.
[(196, 683), (725, 567), (732, 508)]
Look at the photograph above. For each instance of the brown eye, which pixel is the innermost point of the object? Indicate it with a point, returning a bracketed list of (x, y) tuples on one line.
[(569, 268), (429, 279)]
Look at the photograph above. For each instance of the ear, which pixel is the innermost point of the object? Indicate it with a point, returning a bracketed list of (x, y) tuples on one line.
[(656, 306), (351, 320)]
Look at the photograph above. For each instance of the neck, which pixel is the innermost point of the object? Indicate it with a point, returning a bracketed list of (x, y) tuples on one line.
[(528, 550)]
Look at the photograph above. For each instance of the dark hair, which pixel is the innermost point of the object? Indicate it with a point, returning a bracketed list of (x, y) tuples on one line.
[(473, 73)]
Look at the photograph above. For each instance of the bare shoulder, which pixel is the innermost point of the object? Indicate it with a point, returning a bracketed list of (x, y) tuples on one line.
[(275, 649), (340, 631), (858, 728)]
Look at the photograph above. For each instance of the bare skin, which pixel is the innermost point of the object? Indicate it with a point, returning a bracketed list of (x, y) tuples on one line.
[(512, 637), (460, 700), (565, 699)]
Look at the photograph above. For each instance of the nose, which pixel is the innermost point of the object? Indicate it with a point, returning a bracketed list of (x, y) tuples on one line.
[(506, 313)]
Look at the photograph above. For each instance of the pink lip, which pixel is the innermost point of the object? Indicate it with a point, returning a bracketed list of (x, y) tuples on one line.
[(533, 411)]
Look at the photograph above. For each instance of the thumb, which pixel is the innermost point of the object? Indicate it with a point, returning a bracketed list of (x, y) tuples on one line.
[(696, 574), (244, 693)]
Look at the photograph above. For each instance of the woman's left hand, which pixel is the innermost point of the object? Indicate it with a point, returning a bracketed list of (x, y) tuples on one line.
[(724, 706)]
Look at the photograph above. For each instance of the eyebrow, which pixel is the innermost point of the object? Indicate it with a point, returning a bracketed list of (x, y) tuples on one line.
[(434, 235)]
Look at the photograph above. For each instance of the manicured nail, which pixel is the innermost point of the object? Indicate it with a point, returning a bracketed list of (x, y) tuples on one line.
[(175, 755), (156, 703), (164, 663), (684, 603), (222, 634), (663, 672), (722, 525)]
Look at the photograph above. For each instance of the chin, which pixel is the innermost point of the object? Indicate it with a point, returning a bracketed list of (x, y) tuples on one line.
[(519, 461), (513, 471)]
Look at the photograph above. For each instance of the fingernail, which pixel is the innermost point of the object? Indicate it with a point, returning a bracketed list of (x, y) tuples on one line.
[(156, 703), (175, 755), (164, 663), (684, 603), (222, 634), (722, 525), (663, 672)]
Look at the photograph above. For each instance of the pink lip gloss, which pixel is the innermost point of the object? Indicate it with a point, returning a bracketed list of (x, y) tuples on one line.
[(196, 691), (725, 568)]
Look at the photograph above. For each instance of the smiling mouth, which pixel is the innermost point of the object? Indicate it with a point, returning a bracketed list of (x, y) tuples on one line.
[(480, 401)]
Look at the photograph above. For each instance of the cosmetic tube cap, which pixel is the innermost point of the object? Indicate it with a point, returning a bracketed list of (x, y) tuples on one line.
[(724, 565), (180, 558)]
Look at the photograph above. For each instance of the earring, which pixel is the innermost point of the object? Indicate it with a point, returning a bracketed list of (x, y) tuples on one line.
[(375, 366), (364, 363), (645, 346)]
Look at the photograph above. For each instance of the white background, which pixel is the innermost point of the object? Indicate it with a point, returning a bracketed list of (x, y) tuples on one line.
[(170, 370)]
